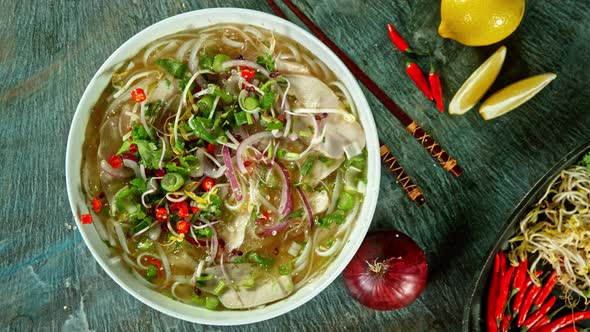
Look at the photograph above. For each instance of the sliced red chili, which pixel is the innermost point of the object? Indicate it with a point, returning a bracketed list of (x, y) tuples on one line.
[(183, 212), (211, 148), (208, 184), (154, 262), (194, 209), (86, 219), (133, 148), (160, 173), (248, 73), (161, 214), (115, 161), (96, 205), (138, 95), (182, 227)]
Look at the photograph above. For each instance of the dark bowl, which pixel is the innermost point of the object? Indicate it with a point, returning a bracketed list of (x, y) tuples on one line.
[(472, 317)]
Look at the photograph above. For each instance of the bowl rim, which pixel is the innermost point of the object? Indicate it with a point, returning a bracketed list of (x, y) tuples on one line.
[(363, 222)]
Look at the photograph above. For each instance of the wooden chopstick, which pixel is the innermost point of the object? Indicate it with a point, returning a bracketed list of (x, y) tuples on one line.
[(412, 191), (435, 150)]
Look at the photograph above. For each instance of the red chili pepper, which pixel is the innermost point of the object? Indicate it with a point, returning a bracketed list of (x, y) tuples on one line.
[(492, 294), (133, 148), (183, 212), (396, 39), (182, 227), (86, 218), (248, 73), (208, 183), (96, 205), (505, 323), (138, 95), (194, 209), (211, 148), (436, 88), (565, 321), (519, 298), (549, 284), (521, 273), (540, 323), (417, 76), (503, 295), (161, 214), (115, 161), (160, 173), (543, 310), (527, 304)]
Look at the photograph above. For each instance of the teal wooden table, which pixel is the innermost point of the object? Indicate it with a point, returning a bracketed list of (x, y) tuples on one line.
[(50, 49)]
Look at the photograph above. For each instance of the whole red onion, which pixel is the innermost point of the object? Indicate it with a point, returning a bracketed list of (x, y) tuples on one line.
[(388, 272)]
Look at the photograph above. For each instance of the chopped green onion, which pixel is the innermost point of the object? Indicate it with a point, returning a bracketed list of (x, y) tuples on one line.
[(281, 154), (219, 288), (152, 272), (304, 133), (206, 62), (204, 277), (198, 300), (248, 283), (205, 104), (306, 167), (346, 201), (211, 302), (291, 155), (251, 103), (285, 269), (218, 61), (172, 182)]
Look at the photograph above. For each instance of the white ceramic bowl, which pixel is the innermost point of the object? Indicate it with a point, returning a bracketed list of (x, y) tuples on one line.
[(119, 272)]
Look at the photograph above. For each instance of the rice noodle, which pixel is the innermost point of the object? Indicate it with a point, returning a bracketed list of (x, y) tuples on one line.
[(131, 80), (121, 236), (183, 49), (156, 45), (347, 116), (346, 93), (165, 262), (182, 197), (231, 43), (193, 60), (141, 256)]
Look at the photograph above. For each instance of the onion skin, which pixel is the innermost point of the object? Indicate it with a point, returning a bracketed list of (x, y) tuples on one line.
[(399, 283)]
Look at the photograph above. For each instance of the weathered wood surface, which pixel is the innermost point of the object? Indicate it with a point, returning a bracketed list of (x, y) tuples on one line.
[(49, 50)]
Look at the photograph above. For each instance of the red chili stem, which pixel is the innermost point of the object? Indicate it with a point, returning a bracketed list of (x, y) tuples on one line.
[(397, 39), (503, 295), (565, 321), (492, 293), (549, 284), (419, 79), (527, 304), (543, 310)]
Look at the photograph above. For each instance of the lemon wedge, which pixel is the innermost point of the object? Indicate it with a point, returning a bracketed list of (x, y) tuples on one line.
[(514, 95), (479, 22), (478, 83)]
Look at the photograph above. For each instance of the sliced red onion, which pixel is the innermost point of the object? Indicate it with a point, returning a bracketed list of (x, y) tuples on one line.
[(245, 144), (307, 206), (274, 230), (235, 186), (119, 173), (286, 205)]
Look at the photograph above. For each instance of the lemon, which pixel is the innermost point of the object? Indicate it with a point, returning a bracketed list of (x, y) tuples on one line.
[(478, 83), (514, 95), (479, 22)]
